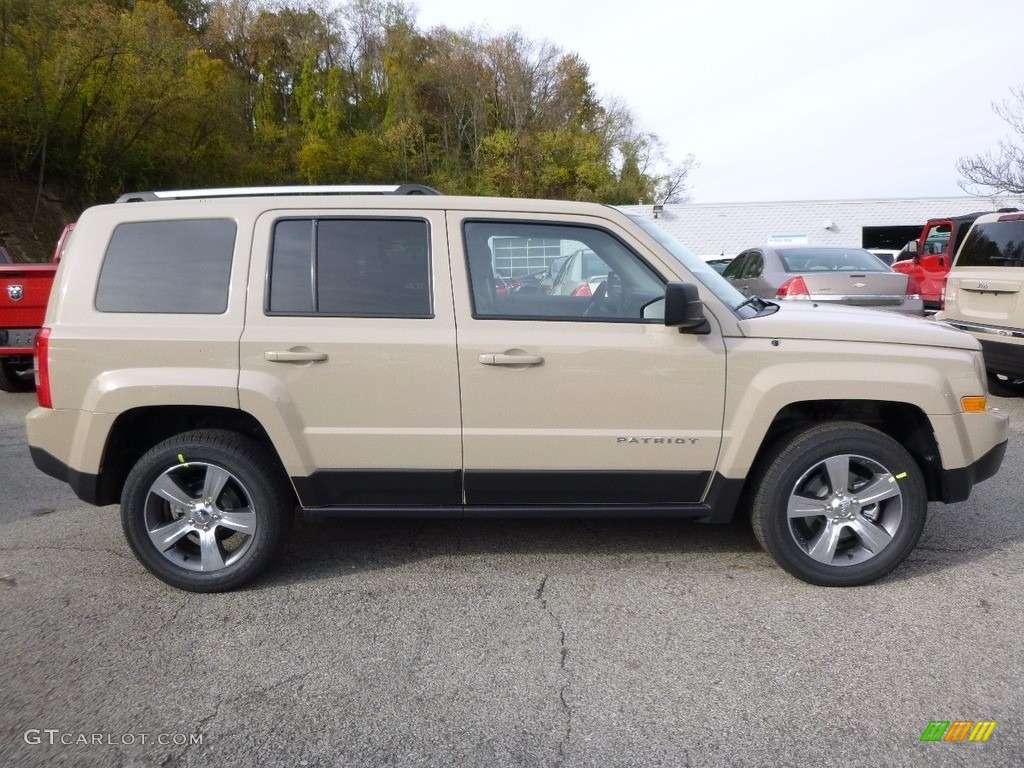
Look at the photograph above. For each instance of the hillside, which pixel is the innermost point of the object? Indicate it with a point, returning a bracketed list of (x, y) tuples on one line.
[(23, 239)]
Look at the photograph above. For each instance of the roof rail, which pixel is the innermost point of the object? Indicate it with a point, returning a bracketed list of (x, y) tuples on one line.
[(337, 189)]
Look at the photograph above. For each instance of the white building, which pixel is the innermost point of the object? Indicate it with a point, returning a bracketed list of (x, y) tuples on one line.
[(728, 228)]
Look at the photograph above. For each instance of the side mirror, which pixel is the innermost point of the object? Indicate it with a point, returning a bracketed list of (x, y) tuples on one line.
[(912, 247), (684, 309)]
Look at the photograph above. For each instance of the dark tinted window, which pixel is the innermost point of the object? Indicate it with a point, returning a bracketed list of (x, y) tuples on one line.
[(754, 266), (961, 233), (180, 267), (735, 267), (995, 244), (351, 268), (291, 269)]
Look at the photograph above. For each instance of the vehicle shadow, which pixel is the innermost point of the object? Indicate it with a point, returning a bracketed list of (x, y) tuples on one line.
[(324, 547)]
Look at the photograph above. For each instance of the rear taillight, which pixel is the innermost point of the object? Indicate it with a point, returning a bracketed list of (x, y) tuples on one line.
[(942, 296), (42, 360), (582, 290), (914, 288), (794, 288)]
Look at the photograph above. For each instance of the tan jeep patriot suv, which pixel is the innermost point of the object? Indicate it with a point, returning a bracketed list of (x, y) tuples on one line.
[(214, 360)]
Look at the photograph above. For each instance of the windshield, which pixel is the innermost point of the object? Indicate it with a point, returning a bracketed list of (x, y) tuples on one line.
[(707, 275)]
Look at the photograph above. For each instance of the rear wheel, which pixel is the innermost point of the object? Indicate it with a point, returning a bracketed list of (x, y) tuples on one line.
[(207, 511), (16, 377), (839, 504)]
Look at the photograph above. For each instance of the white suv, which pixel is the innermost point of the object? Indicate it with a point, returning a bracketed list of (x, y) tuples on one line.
[(984, 295), (214, 360)]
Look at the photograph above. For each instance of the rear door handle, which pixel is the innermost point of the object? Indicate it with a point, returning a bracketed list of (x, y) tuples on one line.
[(503, 359), (287, 356)]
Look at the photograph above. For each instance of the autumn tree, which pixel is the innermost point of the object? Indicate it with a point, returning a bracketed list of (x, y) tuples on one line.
[(53, 52), (110, 94)]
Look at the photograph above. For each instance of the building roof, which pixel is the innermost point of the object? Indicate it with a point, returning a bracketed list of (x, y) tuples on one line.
[(728, 228)]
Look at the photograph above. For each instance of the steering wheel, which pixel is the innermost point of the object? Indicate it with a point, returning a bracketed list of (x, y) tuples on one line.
[(597, 304)]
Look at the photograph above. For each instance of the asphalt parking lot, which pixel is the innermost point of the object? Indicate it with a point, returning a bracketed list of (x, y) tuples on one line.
[(505, 643)]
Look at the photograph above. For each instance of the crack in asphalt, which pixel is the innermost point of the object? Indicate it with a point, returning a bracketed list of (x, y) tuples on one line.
[(202, 724), (566, 708), (186, 600)]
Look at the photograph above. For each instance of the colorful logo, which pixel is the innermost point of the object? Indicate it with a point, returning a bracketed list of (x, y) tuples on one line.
[(958, 730)]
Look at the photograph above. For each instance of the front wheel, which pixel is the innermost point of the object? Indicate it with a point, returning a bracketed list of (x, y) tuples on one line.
[(839, 505), (207, 511)]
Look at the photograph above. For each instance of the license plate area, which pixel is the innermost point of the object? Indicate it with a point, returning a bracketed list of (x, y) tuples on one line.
[(19, 337)]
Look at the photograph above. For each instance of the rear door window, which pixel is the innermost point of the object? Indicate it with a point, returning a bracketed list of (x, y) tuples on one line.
[(351, 268)]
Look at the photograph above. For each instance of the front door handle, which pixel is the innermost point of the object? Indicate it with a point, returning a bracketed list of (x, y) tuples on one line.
[(287, 356), (506, 359)]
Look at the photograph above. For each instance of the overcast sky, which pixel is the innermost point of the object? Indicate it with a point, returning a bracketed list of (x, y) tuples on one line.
[(790, 99)]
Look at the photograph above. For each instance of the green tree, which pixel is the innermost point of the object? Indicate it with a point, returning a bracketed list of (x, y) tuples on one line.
[(109, 94), (63, 49)]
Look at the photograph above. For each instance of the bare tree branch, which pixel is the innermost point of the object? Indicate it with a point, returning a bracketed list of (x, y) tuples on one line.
[(673, 186), (1002, 169)]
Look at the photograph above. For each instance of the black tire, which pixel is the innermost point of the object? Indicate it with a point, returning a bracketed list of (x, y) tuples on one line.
[(222, 503), (864, 497), (1002, 385), (16, 378)]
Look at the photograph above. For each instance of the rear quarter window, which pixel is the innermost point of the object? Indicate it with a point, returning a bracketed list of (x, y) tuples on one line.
[(993, 244), (177, 267)]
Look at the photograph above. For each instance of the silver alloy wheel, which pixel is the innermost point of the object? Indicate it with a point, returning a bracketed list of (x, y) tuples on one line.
[(845, 510), (200, 516)]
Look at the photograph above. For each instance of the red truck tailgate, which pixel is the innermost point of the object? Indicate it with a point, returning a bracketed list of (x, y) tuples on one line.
[(24, 291)]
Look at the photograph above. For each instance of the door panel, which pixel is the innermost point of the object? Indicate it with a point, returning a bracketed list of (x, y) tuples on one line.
[(932, 265), (604, 409), (365, 407)]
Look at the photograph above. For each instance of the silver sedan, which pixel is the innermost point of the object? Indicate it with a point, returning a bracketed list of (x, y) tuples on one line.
[(824, 274)]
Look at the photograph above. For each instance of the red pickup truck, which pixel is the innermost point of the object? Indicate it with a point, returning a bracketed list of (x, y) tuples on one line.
[(24, 291)]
